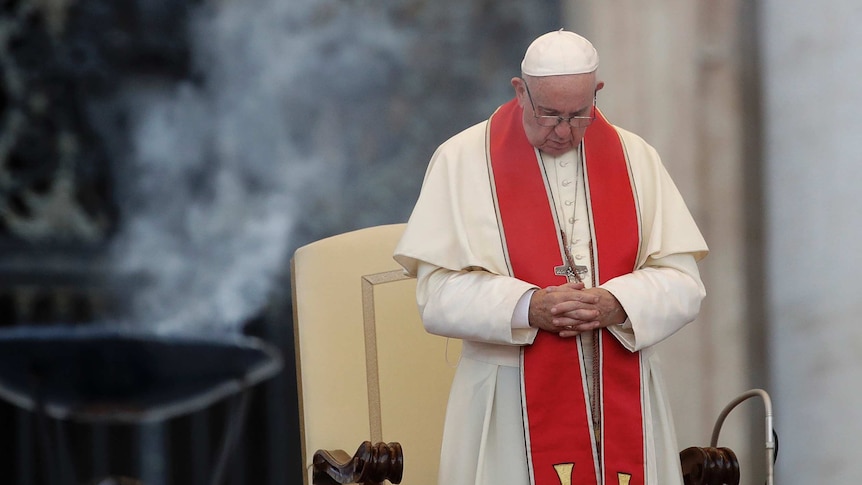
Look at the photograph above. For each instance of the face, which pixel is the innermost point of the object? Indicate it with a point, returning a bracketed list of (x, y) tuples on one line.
[(570, 95)]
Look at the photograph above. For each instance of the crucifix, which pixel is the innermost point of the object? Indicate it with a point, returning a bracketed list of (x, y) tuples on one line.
[(570, 270)]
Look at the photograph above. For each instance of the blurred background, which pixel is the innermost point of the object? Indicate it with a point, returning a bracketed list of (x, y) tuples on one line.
[(160, 162)]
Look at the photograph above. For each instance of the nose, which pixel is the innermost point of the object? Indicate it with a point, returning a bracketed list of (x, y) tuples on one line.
[(563, 130)]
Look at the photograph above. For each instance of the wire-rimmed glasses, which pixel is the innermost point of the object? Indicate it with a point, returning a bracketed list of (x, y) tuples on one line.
[(553, 121)]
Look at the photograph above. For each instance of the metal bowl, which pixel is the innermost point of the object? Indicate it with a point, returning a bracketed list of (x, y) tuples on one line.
[(103, 373)]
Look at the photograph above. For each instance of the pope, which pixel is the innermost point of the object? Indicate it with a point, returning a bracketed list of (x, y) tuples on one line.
[(555, 245)]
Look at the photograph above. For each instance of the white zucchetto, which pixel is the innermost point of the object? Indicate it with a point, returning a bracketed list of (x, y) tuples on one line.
[(560, 53)]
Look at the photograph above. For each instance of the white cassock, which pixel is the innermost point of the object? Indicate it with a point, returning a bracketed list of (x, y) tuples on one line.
[(453, 245)]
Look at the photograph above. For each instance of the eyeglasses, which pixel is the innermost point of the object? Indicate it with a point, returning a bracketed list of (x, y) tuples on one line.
[(553, 121)]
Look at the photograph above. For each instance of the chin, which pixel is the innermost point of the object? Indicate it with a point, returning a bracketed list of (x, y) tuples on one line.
[(556, 151)]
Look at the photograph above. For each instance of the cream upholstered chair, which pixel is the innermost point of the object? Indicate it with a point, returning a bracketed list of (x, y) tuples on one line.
[(366, 368), (368, 372)]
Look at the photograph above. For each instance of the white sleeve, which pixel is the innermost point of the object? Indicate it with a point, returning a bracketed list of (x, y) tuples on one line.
[(660, 298), (472, 305)]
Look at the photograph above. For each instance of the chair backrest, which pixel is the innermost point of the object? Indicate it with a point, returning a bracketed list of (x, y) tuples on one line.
[(366, 368)]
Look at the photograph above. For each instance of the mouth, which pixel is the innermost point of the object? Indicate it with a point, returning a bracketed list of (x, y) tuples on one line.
[(558, 145)]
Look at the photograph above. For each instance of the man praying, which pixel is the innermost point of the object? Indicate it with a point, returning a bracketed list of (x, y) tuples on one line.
[(557, 247)]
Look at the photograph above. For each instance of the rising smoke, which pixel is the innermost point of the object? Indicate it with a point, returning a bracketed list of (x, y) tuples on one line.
[(212, 185)]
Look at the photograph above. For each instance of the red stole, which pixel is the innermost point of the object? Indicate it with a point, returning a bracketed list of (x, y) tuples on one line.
[(557, 414)]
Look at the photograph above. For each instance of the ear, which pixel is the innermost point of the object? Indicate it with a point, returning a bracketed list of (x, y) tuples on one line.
[(600, 85), (520, 91)]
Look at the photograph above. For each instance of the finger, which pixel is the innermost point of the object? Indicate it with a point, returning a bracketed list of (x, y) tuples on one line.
[(574, 286), (562, 324), (568, 306), (579, 324), (581, 296), (575, 312), (577, 329)]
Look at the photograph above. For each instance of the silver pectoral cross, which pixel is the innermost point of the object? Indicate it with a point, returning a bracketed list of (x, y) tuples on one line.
[(569, 269), (575, 274)]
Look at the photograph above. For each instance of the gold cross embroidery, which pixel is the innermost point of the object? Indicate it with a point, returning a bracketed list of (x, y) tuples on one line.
[(564, 472)]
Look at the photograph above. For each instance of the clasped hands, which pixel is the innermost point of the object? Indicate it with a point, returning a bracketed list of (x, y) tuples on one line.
[(570, 309)]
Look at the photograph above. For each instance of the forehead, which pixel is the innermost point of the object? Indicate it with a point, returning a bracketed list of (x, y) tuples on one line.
[(563, 93)]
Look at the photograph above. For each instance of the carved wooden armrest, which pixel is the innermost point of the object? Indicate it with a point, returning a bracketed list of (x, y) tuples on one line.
[(709, 466), (370, 465)]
